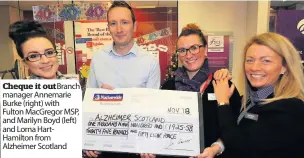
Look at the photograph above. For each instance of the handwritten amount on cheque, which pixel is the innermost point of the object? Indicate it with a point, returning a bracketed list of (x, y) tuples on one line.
[(142, 126)]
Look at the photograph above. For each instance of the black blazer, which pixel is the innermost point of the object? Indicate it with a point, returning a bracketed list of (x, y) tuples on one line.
[(278, 131)]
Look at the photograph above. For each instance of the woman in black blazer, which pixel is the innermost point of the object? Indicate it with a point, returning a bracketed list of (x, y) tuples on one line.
[(271, 123)]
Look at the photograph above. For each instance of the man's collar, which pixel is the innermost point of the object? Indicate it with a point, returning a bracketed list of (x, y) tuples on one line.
[(133, 50)]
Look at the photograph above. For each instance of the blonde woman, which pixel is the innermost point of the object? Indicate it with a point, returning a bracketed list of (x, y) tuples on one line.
[(271, 123)]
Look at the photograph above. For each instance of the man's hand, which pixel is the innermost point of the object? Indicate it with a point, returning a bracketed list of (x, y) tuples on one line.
[(106, 86)]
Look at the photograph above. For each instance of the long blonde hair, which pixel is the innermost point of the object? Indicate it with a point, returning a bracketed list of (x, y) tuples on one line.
[(291, 85)]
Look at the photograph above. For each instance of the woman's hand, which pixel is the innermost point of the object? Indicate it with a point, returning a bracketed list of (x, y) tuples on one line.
[(91, 153), (222, 90), (222, 74), (209, 152)]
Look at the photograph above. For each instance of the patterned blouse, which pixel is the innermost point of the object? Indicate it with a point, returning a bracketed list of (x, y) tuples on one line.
[(58, 76)]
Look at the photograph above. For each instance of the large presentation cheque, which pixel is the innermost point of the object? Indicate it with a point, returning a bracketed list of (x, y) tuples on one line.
[(143, 121)]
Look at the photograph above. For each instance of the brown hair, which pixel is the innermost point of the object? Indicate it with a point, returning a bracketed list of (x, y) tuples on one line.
[(193, 29), (124, 5), (22, 31)]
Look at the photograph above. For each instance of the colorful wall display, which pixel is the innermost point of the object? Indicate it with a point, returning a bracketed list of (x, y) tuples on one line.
[(290, 23), (67, 12)]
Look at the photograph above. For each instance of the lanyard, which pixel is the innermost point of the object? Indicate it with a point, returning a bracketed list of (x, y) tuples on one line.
[(206, 83), (246, 114)]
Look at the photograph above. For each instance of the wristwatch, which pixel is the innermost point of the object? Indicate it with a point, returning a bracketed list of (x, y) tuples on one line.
[(222, 147), (222, 103)]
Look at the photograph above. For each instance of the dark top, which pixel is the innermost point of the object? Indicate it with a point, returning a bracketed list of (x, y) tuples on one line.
[(278, 131)]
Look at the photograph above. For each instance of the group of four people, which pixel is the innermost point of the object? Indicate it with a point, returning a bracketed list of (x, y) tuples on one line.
[(267, 121)]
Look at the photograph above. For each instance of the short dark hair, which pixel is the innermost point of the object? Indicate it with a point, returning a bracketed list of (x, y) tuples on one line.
[(193, 29), (21, 31), (124, 5)]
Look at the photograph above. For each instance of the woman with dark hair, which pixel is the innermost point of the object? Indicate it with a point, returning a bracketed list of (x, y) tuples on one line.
[(35, 49), (194, 76)]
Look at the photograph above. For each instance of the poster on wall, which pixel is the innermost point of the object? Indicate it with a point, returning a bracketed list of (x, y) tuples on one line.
[(89, 37), (218, 51), (292, 28)]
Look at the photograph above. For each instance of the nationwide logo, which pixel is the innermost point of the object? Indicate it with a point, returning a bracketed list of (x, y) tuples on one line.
[(300, 26), (108, 97)]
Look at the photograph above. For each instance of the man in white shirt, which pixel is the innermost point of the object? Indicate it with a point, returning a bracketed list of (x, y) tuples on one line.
[(123, 64)]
